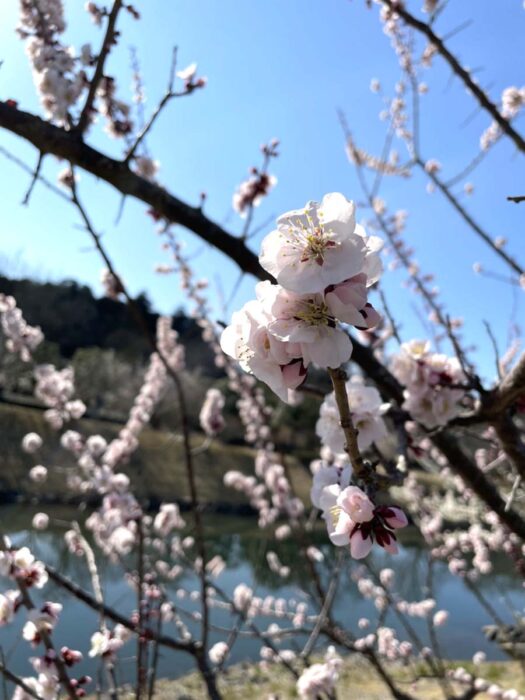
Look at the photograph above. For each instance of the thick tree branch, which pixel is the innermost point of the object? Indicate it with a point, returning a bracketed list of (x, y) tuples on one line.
[(63, 144), (111, 614), (48, 138)]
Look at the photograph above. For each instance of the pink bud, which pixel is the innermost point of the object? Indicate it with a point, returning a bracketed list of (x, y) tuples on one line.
[(394, 517)]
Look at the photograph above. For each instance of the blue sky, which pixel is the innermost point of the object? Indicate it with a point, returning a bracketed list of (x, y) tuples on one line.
[(280, 69)]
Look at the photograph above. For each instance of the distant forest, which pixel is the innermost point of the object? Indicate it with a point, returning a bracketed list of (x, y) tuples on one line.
[(99, 337), (72, 317)]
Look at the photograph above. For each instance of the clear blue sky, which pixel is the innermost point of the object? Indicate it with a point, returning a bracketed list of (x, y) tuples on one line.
[(280, 68)]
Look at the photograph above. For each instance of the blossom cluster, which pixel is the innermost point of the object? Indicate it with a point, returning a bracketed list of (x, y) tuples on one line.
[(321, 678), (367, 409), (433, 383), (352, 519), (56, 73), (323, 263), (252, 191), (21, 338), (56, 389)]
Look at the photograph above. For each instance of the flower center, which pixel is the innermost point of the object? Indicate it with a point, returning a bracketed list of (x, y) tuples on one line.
[(315, 314)]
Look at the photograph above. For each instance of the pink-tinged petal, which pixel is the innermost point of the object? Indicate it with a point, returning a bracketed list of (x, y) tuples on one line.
[(360, 546), (356, 503), (391, 547), (294, 374), (394, 517), (370, 318)]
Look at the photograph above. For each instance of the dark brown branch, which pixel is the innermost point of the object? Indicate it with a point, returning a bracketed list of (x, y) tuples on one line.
[(458, 70), (34, 178), (65, 144), (85, 116), (511, 442), (338, 377), (469, 220), (190, 647), (19, 682)]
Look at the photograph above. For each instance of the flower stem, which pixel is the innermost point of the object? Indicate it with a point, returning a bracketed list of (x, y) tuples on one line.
[(338, 377)]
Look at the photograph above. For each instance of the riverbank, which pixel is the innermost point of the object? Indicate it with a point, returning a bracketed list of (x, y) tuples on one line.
[(156, 469), (358, 681)]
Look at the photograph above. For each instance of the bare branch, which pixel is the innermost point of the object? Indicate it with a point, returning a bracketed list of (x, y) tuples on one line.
[(85, 115), (458, 70)]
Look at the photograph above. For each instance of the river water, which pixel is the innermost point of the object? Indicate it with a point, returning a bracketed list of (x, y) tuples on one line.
[(243, 547)]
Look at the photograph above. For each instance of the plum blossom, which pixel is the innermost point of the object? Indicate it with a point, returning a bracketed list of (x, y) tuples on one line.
[(252, 191), (327, 475), (319, 246), (324, 264), (367, 409), (352, 519), (432, 381), (105, 644), (320, 679), (40, 521), (210, 416), (21, 338), (218, 653), (38, 474), (146, 167), (31, 443), (8, 601)]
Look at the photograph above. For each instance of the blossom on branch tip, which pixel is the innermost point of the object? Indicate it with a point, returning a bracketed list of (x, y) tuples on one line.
[(353, 520), (317, 246)]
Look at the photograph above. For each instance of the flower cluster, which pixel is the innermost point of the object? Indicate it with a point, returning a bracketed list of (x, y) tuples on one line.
[(20, 564), (352, 519), (55, 72), (21, 338), (432, 381), (323, 263), (252, 191), (367, 409), (117, 112), (320, 679), (56, 388)]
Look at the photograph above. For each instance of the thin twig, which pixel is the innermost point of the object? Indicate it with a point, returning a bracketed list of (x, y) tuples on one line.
[(35, 177), (458, 70)]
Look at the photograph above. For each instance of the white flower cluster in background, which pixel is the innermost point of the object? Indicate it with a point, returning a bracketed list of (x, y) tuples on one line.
[(367, 409), (56, 389), (324, 264), (21, 338), (433, 382)]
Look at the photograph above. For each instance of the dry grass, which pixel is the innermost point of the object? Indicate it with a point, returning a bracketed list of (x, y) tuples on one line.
[(358, 681)]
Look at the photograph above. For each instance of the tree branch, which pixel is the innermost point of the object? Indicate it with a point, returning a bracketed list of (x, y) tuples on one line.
[(458, 70), (66, 144), (85, 115)]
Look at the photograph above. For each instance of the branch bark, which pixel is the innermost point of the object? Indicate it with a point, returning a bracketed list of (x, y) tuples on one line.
[(48, 138)]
